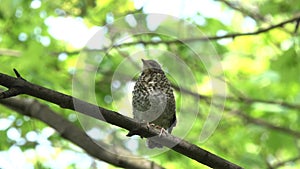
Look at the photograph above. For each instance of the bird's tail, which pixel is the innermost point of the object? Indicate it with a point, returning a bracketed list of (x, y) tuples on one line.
[(152, 144)]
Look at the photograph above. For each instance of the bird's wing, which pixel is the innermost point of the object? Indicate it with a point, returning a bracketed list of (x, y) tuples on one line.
[(174, 122)]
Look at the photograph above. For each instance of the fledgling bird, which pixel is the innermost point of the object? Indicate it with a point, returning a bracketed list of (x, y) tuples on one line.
[(153, 99)]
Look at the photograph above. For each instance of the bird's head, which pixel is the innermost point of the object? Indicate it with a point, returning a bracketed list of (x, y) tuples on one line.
[(150, 65)]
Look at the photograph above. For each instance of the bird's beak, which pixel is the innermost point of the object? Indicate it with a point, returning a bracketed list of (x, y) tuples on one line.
[(144, 62)]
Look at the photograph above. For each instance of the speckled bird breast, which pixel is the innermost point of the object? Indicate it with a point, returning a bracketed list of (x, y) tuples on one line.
[(153, 99)]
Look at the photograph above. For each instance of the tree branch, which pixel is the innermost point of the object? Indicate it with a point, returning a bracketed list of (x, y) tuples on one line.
[(244, 99), (10, 52), (266, 124), (168, 140), (196, 39), (208, 38), (280, 164), (236, 6), (208, 98), (69, 131), (248, 118)]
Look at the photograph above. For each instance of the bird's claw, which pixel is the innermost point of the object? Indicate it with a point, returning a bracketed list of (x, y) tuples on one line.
[(149, 125), (162, 130)]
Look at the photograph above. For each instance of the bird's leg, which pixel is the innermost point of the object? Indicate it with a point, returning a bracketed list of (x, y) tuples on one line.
[(149, 125), (162, 130)]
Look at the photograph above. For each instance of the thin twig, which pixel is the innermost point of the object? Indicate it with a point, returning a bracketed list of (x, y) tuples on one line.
[(197, 39), (266, 124), (277, 165), (10, 52), (237, 7)]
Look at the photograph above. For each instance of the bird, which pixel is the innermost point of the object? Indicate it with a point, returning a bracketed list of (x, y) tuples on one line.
[(153, 100)]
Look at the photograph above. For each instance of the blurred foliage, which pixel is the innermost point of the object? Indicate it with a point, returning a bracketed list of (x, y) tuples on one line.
[(265, 66)]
